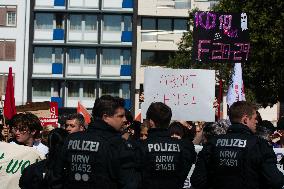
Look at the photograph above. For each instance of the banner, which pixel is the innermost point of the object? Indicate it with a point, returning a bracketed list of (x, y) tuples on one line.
[(220, 37), (189, 92), (236, 90), (13, 160)]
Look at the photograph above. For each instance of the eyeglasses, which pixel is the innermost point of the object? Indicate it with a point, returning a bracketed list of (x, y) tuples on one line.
[(22, 130)]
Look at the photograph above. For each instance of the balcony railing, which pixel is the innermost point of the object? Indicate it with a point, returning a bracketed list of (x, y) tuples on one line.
[(174, 4)]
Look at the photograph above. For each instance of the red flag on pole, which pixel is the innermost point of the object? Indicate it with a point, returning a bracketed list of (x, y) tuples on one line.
[(82, 110), (9, 103)]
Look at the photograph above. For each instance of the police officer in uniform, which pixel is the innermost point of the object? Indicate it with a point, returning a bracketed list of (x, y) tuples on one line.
[(238, 159), (97, 158), (166, 161)]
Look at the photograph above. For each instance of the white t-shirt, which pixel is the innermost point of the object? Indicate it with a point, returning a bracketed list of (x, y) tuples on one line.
[(41, 148)]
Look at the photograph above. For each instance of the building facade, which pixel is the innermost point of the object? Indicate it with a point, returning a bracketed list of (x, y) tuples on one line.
[(80, 50), (14, 28), (160, 27)]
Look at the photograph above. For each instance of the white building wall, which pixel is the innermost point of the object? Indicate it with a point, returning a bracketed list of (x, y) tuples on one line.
[(20, 33)]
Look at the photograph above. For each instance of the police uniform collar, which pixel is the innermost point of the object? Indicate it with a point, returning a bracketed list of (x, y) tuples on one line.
[(101, 125), (239, 128), (158, 132)]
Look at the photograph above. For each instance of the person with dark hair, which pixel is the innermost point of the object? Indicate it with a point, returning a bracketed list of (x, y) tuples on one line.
[(75, 123), (238, 159), (165, 161), (97, 158), (27, 129), (177, 130), (35, 176)]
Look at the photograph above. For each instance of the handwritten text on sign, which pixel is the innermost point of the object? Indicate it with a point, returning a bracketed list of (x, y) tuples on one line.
[(189, 93), (220, 37)]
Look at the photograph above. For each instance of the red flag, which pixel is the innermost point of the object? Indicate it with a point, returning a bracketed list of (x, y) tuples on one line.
[(9, 103), (82, 110)]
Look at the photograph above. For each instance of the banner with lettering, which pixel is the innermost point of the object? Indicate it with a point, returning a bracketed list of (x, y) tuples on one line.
[(189, 92), (220, 37), (13, 160)]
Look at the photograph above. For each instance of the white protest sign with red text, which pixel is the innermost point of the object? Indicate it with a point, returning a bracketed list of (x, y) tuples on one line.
[(189, 92)]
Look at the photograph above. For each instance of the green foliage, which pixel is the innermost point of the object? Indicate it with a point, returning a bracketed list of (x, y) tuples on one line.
[(263, 74)]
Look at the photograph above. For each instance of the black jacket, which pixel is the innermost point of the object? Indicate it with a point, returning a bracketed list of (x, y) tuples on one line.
[(97, 159), (165, 161), (237, 160), (33, 176)]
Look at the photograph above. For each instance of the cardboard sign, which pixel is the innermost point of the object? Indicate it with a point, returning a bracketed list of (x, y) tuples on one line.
[(13, 160), (189, 92), (220, 37)]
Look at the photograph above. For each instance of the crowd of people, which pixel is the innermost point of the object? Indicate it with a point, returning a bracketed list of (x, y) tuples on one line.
[(115, 151)]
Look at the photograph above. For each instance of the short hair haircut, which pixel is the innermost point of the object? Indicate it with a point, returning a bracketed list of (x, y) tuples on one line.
[(27, 121), (211, 129), (240, 109), (177, 128), (79, 117), (160, 114), (108, 105)]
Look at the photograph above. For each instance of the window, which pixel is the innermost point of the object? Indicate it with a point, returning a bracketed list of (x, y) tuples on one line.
[(125, 87), (59, 20), (110, 88), (7, 50), (165, 24), (3, 82), (111, 56), (180, 24), (41, 88), (127, 23), (90, 56), (90, 22), (126, 57), (148, 24), (155, 58), (58, 52), (44, 21), (11, 18), (74, 56), (89, 89), (75, 22), (73, 89), (8, 16), (43, 55), (112, 23)]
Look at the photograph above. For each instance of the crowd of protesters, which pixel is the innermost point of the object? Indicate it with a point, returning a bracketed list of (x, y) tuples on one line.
[(114, 151)]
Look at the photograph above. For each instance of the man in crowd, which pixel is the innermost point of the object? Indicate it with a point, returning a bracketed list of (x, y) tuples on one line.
[(75, 123), (98, 157), (166, 161), (238, 159)]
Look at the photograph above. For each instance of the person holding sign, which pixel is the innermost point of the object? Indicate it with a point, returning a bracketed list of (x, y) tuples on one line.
[(238, 159), (165, 160)]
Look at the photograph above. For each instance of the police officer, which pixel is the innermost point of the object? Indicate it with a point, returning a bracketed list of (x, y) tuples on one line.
[(96, 158), (238, 159), (166, 161)]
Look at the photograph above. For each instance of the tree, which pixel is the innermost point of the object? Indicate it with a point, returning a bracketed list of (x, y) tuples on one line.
[(263, 74)]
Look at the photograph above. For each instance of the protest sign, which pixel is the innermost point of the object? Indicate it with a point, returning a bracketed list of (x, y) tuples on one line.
[(189, 92), (220, 37), (13, 160), (47, 112)]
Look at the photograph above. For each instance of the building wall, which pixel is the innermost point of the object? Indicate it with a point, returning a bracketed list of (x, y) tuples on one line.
[(18, 33)]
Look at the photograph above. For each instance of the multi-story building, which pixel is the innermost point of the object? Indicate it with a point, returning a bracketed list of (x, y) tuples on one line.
[(160, 26), (14, 27), (80, 50)]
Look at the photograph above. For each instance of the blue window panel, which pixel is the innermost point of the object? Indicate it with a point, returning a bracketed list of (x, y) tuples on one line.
[(127, 104), (127, 4), (58, 100), (126, 36), (59, 2), (125, 70), (57, 68), (58, 34)]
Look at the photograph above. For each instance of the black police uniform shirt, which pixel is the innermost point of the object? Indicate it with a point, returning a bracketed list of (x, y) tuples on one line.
[(237, 160), (165, 161), (93, 159)]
